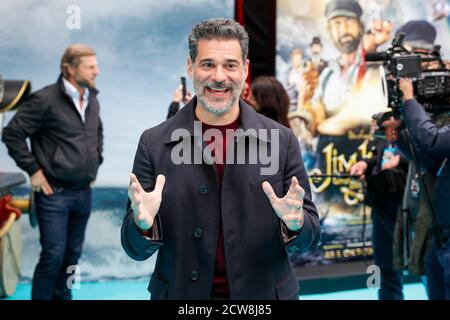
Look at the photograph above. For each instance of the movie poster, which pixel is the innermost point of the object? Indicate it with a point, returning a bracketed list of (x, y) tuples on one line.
[(334, 92)]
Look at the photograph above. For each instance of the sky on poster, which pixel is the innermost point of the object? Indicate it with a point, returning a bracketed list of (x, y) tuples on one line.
[(141, 47)]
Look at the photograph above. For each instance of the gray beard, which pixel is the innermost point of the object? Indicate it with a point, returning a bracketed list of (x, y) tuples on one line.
[(236, 91)]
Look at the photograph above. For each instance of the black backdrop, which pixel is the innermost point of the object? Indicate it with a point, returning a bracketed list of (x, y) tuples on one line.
[(259, 19)]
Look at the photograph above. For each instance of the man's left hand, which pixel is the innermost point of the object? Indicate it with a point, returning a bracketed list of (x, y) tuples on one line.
[(290, 207)]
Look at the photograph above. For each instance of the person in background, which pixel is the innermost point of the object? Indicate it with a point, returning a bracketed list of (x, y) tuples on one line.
[(385, 203), (434, 141), (63, 123), (429, 135), (269, 98), (174, 106)]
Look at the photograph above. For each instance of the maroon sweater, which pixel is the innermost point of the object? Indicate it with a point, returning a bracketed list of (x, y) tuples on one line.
[(220, 282)]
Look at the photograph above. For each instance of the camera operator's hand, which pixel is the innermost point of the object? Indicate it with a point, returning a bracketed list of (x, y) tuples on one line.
[(359, 169), (407, 88), (178, 95), (391, 128)]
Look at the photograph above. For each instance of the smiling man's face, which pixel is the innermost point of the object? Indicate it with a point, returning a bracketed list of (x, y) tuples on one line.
[(218, 74)]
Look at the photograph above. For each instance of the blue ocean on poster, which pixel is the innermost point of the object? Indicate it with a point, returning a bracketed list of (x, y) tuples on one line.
[(103, 257)]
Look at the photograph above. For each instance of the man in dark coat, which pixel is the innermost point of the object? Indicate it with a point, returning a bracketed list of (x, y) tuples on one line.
[(63, 123), (221, 220), (385, 173)]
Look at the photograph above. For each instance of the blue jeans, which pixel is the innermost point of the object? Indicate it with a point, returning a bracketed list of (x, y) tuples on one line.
[(437, 269), (62, 219), (384, 218)]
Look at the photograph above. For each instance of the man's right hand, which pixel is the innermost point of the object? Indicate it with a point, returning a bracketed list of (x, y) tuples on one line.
[(145, 205), (359, 169), (39, 183)]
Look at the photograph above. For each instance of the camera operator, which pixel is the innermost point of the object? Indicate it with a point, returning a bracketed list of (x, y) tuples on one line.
[(423, 104), (426, 141), (435, 143), (385, 175)]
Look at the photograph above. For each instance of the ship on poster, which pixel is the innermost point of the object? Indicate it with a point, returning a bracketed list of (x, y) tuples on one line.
[(334, 92)]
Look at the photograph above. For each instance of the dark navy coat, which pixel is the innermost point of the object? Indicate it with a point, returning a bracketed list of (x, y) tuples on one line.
[(256, 241)]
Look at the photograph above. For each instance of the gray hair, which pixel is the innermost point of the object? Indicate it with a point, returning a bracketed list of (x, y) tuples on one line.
[(224, 29)]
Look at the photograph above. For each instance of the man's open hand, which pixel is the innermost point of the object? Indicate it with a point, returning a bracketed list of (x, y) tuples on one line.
[(290, 207), (145, 205)]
